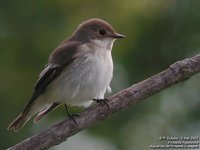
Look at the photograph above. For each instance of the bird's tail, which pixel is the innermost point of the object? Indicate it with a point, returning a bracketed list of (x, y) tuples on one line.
[(19, 122), (31, 108), (29, 111)]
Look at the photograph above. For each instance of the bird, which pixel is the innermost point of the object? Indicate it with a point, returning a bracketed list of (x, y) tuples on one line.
[(79, 70)]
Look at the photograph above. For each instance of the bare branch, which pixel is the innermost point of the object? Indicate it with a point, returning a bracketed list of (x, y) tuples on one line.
[(126, 98)]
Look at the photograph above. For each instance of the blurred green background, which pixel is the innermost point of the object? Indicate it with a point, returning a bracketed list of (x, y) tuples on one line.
[(159, 32)]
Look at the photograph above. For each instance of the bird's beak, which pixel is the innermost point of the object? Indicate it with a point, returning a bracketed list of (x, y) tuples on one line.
[(117, 36)]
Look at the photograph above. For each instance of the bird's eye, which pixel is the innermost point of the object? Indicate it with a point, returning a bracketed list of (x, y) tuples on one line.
[(102, 32)]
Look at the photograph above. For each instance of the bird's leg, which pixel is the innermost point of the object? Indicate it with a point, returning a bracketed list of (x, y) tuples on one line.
[(71, 116), (102, 102)]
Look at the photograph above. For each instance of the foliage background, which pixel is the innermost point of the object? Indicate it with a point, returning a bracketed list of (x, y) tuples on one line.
[(158, 32)]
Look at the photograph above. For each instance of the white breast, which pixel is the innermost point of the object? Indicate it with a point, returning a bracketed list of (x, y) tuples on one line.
[(88, 77)]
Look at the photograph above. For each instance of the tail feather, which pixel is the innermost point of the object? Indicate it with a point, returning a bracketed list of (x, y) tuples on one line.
[(44, 111), (19, 122), (28, 112)]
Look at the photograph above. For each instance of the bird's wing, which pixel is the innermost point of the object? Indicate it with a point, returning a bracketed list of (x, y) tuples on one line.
[(61, 57)]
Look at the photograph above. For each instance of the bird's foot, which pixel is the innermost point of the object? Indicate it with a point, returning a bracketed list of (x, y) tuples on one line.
[(102, 102)]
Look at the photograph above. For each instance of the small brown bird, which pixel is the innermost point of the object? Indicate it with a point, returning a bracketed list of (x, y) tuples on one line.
[(79, 70)]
